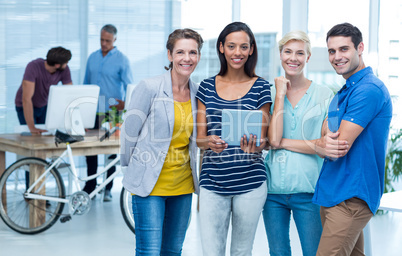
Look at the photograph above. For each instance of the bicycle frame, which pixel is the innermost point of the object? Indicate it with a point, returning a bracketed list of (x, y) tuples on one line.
[(33, 194)]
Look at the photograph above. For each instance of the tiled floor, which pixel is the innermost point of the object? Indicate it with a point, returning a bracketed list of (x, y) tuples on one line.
[(103, 232)]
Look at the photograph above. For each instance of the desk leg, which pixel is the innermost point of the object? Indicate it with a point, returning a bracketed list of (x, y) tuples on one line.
[(2, 169), (37, 215), (2, 162)]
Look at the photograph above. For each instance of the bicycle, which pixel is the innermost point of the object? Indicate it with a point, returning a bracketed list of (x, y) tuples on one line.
[(33, 193)]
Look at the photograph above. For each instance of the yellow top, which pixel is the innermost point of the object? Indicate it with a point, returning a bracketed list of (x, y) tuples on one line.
[(175, 177)]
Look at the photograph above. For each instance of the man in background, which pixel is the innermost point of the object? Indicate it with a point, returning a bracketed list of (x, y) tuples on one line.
[(32, 96), (110, 70), (351, 181)]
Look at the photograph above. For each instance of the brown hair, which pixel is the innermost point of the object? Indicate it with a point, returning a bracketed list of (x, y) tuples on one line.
[(185, 33), (346, 30)]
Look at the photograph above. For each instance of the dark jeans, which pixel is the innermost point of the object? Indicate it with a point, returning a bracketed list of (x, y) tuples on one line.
[(92, 166), (39, 118), (39, 115)]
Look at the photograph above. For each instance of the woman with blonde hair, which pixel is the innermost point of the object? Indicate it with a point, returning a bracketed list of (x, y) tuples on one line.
[(298, 119)]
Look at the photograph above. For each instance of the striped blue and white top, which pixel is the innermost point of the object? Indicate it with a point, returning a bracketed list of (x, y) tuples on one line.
[(232, 171)]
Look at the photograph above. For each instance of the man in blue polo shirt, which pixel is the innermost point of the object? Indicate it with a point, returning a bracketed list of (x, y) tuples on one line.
[(351, 181), (110, 69)]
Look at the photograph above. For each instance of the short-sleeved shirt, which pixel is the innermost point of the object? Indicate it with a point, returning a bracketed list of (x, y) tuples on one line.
[(36, 72), (232, 171), (364, 101), (112, 73), (292, 172)]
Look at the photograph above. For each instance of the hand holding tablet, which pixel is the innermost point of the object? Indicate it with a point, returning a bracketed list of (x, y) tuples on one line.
[(216, 144)]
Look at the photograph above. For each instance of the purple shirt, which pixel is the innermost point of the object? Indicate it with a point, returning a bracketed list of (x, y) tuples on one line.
[(36, 72)]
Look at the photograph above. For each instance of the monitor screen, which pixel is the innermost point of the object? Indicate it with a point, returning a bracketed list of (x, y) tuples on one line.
[(129, 92), (71, 108)]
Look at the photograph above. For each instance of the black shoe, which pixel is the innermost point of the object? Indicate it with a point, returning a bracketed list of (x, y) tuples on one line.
[(108, 196)]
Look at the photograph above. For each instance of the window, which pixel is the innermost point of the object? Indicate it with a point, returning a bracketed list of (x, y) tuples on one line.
[(322, 17), (212, 16), (31, 28), (390, 54)]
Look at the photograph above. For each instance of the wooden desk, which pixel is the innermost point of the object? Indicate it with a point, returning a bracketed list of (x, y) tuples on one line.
[(392, 201), (44, 146), (389, 202)]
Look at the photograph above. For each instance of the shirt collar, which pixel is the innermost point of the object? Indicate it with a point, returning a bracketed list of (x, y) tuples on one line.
[(311, 88), (111, 52), (355, 78), (114, 50)]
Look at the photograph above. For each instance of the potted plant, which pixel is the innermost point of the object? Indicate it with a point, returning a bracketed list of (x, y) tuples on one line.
[(393, 161), (114, 118)]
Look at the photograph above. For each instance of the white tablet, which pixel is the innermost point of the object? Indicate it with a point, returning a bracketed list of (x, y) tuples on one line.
[(237, 122)]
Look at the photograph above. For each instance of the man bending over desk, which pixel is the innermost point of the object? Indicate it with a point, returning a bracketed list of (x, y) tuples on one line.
[(32, 96)]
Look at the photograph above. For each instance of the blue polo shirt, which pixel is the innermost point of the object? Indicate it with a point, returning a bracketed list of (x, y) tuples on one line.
[(112, 73), (365, 101)]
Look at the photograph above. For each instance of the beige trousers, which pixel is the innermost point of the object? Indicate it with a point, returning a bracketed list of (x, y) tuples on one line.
[(343, 224)]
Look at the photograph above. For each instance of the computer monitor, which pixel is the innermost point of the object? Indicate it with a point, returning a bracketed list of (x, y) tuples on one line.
[(71, 108), (129, 92)]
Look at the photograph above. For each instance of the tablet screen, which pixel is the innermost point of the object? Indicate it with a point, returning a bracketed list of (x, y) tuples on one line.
[(237, 122)]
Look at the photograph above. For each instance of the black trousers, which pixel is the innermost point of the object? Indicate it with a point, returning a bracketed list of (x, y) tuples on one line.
[(92, 166)]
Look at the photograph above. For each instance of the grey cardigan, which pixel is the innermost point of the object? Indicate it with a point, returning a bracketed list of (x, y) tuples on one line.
[(147, 132)]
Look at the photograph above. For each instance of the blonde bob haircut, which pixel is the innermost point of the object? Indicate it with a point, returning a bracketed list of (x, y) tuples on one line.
[(295, 35)]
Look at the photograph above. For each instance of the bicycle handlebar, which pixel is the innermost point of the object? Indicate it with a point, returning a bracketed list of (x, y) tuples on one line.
[(109, 133)]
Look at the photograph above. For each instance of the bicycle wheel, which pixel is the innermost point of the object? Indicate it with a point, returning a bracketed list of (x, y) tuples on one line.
[(30, 216), (126, 208)]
